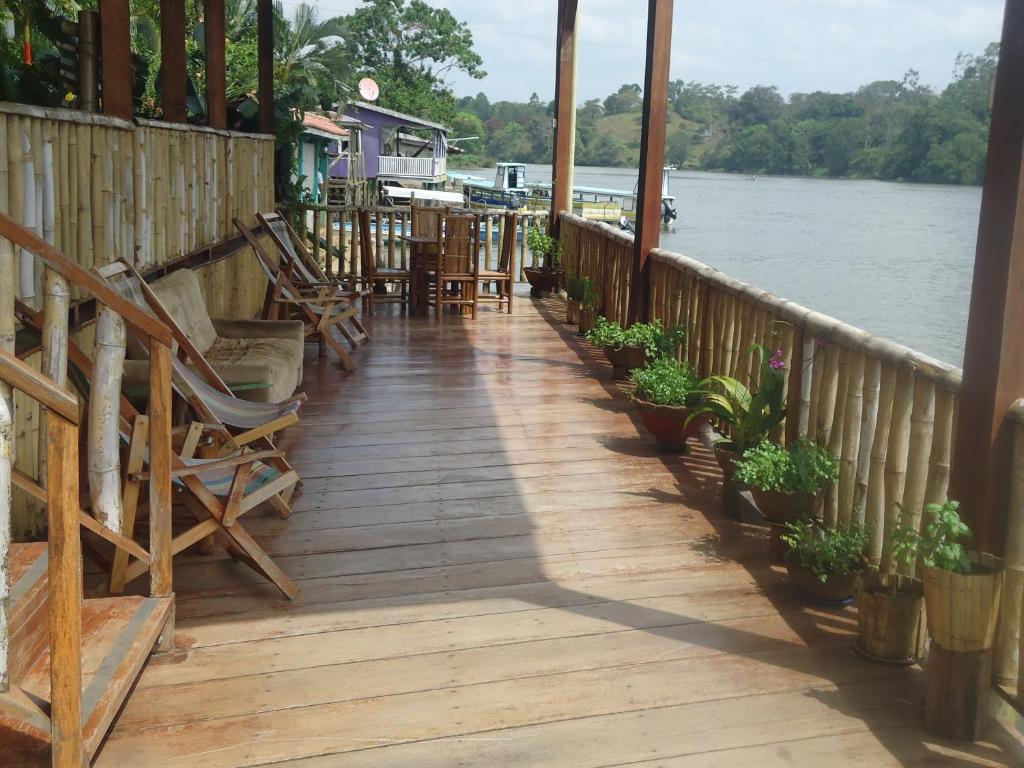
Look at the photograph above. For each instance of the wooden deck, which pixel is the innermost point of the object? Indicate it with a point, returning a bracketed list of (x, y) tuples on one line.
[(497, 570)]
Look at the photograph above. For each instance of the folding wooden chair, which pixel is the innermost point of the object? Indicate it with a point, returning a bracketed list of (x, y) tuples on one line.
[(322, 308), (504, 277), (305, 271), (455, 277), (375, 275)]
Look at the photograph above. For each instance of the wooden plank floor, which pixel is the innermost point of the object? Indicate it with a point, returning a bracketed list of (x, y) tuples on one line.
[(497, 570)]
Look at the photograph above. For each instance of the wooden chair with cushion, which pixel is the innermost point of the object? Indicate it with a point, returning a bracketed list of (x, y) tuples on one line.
[(504, 277), (455, 279), (375, 275)]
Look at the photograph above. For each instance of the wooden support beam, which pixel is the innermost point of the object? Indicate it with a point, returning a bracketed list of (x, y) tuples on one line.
[(216, 76), (160, 465), (652, 150), (564, 145), (265, 63), (994, 354), (172, 60), (116, 57)]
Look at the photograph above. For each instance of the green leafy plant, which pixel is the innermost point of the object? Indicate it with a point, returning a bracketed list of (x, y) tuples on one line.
[(652, 336), (591, 297), (826, 551), (803, 467), (938, 545), (574, 287), (544, 247), (749, 417), (666, 381)]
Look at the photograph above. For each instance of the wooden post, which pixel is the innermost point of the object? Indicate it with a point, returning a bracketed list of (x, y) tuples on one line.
[(65, 581), (265, 56), (88, 60), (564, 147), (994, 353), (116, 57), (216, 98), (172, 59), (993, 377), (160, 480), (652, 150)]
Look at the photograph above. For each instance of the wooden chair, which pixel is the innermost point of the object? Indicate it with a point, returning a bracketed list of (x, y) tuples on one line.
[(455, 277), (428, 229), (322, 309), (504, 277), (374, 275), (304, 270)]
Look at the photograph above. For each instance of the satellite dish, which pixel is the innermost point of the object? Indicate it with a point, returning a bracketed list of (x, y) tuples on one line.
[(369, 89)]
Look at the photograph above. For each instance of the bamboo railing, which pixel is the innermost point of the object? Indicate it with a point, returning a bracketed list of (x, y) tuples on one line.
[(97, 188), (886, 411), (336, 247), (605, 255), (1009, 644)]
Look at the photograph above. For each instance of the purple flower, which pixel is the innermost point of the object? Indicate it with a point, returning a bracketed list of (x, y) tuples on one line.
[(777, 362)]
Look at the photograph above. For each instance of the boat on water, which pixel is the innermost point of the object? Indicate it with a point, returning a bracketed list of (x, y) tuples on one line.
[(511, 189)]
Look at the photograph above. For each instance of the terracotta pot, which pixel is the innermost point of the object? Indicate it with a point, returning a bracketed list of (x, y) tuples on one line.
[(726, 458), (837, 589), (778, 507), (668, 424), (541, 279), (625, 360), (586, 321), (572, 311), (890, 618), (962, 608)]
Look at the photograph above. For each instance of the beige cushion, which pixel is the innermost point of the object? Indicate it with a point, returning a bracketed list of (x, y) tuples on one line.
[(246, 361), (180, 294)]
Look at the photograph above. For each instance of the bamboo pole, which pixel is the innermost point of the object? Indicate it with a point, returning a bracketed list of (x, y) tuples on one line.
[(1005, 661), (835, 433), (103, 457), (922, 419), (875, 511), (27, 205), (896, 455), (852, 426), (872, 379), (939, 463)]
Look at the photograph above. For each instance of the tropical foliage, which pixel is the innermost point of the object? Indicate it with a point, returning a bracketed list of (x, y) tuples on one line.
[(749, 417), (803, 467)]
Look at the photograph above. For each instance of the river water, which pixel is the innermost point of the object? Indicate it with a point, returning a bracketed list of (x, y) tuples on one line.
[(893, 259)]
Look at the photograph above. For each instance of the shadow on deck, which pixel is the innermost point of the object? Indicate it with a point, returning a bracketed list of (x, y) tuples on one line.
[(497, 569)]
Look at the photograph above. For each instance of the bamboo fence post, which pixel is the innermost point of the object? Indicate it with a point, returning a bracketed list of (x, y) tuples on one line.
[(1005, 662), (25, 201), (488, 234), (378, 239), (852, 418), (875, 515), (329, 248), (103, 456), (835, 435), (391, 239), (922, 419), (939, 462), (896, 455), (872, 378)]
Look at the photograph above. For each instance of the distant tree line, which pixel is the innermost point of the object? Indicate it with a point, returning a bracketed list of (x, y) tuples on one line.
[(888, 129)]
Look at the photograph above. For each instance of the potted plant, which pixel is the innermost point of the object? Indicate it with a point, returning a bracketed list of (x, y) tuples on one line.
[(890, 617), (961, 588), (573, 298), (823, 562), (547, 251), (588, 306), (666, 393), (786, 481), (747, 417), (630, 348)]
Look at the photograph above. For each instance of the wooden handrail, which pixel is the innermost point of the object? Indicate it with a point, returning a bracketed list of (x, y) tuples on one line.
[(22, 377), (59, 263)]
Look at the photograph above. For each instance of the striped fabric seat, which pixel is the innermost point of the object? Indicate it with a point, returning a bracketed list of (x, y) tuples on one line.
[(218, 481), (229, 409)]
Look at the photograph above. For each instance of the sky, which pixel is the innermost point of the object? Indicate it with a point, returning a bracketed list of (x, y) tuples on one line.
[(797, 45)]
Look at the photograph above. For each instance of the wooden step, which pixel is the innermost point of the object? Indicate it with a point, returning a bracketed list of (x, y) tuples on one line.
[(30, 605), (118, 634)]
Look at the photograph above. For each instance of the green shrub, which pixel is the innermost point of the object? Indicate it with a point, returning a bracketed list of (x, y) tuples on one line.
[(824, 550), (804, 467), (546, 249), (652, 336), (939, 545), (575, 287), (666, 381)]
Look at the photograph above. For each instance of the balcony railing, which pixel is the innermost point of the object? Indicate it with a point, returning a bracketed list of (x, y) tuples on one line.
[(412, 167)]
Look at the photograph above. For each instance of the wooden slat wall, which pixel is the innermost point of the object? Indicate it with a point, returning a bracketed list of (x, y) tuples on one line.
[(150, 192), (886, 411)]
